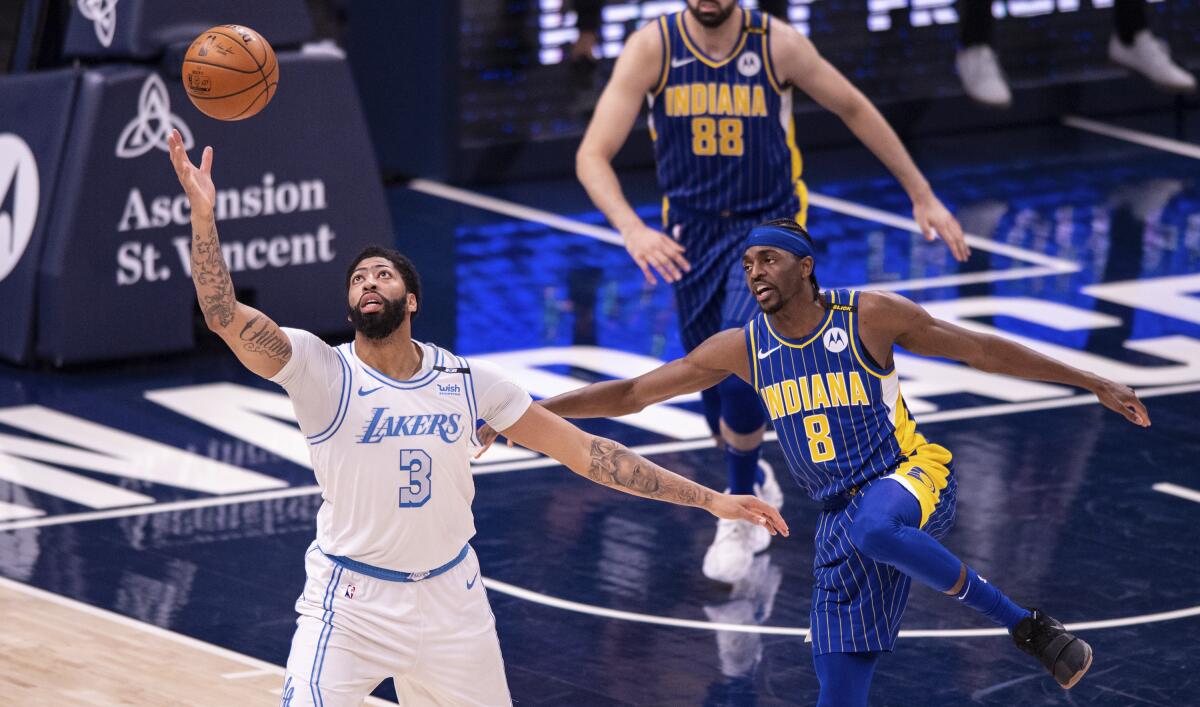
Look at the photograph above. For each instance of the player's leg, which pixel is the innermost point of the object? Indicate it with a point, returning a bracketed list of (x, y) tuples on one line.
[(742, 419), (328, 665), (845, 678), (978, 67), (887, 527), (459, 662), (1135, 47), (742, 424)]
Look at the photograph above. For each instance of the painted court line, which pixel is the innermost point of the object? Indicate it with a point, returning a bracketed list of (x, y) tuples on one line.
[(887, 218), (510, 208), (1046, 265), (546, 462), (1137, 137), (1180, 491), (604, 612)]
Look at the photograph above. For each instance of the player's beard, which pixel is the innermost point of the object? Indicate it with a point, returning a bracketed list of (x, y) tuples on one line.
[(772, 308), (381, 324), (711, 20)]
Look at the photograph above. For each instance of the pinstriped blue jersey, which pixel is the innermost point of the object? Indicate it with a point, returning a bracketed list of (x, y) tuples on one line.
[(840, 418), (723, 131)]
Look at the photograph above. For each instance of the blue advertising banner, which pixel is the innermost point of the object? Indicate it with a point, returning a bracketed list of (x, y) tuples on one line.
[(298, 194), (141, 29), (34, 118)]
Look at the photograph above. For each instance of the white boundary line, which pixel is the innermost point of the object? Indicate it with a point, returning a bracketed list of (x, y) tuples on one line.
[(511, 208), (887, 218), (1046, 265), (1180, 491), (546, 462), (1186, 149), (592, 610)]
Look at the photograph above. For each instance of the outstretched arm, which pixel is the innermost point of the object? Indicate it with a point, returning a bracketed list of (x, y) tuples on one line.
[(611, 464), (895, 318), (254, 338), (710, 363), (800, 64)]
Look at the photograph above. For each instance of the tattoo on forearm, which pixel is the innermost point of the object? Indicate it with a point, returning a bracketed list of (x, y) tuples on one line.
[(614, 465), (214, 287), (260, 335)]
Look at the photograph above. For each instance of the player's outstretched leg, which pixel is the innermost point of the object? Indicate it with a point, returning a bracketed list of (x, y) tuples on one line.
[(886, 529), (1064, 655)]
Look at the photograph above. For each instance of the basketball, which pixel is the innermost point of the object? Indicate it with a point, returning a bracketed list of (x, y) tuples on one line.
[(230, 72)]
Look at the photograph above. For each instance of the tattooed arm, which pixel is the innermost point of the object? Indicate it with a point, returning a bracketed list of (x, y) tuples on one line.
[(613, 465), (254, 338)]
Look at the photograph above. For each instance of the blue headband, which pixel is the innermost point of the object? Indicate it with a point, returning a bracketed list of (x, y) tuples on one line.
[(781, 238)]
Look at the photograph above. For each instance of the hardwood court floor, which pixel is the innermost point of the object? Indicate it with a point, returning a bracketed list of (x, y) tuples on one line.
[(59, 651)]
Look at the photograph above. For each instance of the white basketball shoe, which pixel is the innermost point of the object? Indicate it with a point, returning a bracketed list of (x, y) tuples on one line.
[(1148, 56), (737, 541)]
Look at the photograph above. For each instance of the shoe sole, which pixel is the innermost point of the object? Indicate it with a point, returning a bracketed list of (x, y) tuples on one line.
[(1079, 675)]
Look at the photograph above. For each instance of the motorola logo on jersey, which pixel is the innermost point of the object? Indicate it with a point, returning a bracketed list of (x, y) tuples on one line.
[(19, 186), (836, 340), (748, 64), (381, 425)]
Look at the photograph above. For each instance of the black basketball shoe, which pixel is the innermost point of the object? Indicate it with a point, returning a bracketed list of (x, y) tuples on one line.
[(1066, 657)]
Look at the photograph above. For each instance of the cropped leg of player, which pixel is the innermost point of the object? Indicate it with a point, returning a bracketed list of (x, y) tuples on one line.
[(887, 528), (329, 664), (845, 678), (741, 424), (459, 662)]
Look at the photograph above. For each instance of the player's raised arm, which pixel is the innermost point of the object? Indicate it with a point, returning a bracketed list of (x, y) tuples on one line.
[(611, 464), (801, 65), (910, 326), (253, 337), (637, 72)]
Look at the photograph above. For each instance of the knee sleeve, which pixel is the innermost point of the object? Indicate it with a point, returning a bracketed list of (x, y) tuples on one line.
[(740, 408)]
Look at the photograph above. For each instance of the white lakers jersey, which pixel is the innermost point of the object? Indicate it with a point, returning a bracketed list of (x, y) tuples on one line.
[(392, 457)]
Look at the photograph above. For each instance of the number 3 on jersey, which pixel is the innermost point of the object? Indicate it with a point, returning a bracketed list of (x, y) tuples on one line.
[(418, 467), (711, 136)]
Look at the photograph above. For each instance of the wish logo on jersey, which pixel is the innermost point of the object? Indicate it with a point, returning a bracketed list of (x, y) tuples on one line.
[(381, 425)]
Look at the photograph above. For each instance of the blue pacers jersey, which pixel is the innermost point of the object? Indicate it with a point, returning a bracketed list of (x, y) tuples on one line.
[(840, 417), (724, 138)]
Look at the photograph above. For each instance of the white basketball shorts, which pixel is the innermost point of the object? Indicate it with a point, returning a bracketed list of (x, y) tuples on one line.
[(435, 637)]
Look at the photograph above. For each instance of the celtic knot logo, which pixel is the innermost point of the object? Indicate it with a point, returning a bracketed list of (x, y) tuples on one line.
[(103, 14), (153, 123)]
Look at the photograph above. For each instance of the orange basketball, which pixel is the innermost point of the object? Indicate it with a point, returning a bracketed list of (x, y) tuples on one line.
[(230, 72)]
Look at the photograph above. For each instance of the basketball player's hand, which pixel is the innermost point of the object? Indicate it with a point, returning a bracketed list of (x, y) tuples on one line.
[(196, 182), (486, 436), (1122, 399), (751, 509), (936, 220), (654, 249)]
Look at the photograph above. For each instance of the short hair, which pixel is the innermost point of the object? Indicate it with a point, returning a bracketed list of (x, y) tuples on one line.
[(790, 224), (404, 266)]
